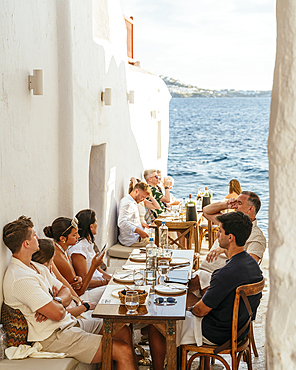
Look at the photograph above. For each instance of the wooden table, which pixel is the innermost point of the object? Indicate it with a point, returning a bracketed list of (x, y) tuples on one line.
[(162, 317)]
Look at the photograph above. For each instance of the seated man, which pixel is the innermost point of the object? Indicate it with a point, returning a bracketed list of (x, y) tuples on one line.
[(131, 230), (248, 203), (151, 178), (216, 305), (29, 287)]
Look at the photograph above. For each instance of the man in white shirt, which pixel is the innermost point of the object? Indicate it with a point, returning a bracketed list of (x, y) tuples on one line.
[(248, 203), (131, 230), (29, 287)]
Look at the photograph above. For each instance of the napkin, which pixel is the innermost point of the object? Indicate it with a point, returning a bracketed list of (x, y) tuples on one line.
[(23, 351)]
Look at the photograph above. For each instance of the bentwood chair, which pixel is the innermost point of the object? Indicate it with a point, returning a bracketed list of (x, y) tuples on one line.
[(231, 347), (186, 229)]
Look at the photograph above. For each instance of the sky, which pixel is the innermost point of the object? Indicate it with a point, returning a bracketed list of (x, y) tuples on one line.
[(212, 44)]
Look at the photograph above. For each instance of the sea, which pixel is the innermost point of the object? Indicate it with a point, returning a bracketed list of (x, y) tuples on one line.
[(214, 140)]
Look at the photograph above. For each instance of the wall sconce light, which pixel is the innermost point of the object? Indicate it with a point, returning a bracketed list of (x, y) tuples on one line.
[(153, 114), (36, 82), (131, 97), (106, 96)]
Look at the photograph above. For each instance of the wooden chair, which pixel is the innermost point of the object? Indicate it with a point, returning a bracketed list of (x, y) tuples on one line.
[(203, 229), (186, 229), (231, 347)]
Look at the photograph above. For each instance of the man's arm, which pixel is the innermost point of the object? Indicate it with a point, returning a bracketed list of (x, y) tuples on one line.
[(166, 198), (212, 210), (200, 309), (53, 311)]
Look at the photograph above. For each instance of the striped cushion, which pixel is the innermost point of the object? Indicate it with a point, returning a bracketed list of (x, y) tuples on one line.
[(15, 326)]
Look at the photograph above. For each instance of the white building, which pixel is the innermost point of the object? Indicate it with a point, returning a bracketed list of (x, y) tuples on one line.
[(66, 150)]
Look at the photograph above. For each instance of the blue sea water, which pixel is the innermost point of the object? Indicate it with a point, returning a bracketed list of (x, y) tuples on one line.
[(215, 140)]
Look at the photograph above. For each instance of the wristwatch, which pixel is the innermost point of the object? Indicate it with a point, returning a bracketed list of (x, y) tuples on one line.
[(86, 305), (58, 299), (191, 309), (166, 187)]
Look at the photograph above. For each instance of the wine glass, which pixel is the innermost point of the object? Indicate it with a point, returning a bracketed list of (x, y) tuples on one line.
[(138, 277), (131, 302), (163, 269)]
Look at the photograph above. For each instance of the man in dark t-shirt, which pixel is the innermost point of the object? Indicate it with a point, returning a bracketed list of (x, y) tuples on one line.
[(217, 304)]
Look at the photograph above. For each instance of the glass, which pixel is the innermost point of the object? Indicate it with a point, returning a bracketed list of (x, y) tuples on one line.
[(163, 270), (131, 302), (138, 277), (167, 252)]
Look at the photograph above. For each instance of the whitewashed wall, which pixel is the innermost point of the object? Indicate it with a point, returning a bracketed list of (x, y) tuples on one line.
[(281, 324), (47, 141)]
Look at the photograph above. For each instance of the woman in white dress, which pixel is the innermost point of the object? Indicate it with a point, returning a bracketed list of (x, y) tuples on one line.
[(64, 232), (82, 253)]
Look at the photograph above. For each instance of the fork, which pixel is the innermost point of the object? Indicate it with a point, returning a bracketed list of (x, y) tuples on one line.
[(175, 287)]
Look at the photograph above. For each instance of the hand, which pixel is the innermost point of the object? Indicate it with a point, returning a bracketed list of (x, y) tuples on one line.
[(142, 234), (97, 260), (231, 203), (39, 317), (145, 225), (214, 253), (92, 305), (54, 291), (77, 282)]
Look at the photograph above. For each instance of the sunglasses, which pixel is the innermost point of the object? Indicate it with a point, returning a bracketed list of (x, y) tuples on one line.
[(74, 223), (162, 301)]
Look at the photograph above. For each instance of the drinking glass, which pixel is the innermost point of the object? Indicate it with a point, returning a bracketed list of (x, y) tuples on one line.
[(163, 270), (138, 277), (131, 302)]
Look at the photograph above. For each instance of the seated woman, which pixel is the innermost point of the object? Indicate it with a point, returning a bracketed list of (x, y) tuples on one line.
[(146, 205), (82, 253), (170, 183), (45, 256), (64, 232), (234, 189)]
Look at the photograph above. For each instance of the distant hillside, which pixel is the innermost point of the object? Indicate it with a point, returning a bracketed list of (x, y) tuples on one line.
[(180, 90)]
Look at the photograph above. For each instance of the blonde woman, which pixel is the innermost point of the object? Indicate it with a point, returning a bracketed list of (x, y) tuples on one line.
[(234, 189)]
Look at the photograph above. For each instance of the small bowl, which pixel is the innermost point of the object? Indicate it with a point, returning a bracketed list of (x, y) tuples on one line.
[(141, 293)]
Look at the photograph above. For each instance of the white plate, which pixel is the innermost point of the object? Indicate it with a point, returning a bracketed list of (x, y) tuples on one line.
[(170, 288), (115, 292), (138, 257), (179, 260), (122, 276), (134, 266)]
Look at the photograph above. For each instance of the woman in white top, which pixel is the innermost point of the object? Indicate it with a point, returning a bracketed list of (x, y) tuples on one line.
[(83, 252), (64, 232)]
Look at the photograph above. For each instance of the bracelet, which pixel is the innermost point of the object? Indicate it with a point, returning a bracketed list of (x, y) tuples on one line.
[(86, 305)]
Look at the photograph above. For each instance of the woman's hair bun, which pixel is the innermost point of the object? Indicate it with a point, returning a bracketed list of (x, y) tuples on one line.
[(48, 231)]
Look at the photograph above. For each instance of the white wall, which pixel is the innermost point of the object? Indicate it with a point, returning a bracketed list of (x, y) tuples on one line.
[(46, 140), (281, 324)]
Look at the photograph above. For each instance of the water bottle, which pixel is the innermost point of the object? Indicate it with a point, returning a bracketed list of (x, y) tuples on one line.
[(182, 209), (163, 235), (3, 343), (151, 262)]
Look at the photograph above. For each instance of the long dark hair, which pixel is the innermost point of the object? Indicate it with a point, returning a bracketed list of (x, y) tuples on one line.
[(60, 227), (46, 251), (85, 218)]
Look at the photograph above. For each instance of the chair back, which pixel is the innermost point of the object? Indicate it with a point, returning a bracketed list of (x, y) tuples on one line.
[(186, 229), (243, 291)]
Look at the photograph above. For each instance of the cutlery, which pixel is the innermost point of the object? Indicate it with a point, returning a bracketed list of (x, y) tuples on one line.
[(125, 276), (179, 266), (174, 287)]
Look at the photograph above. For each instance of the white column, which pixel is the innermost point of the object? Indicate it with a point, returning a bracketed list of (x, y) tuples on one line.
[(281, 316)]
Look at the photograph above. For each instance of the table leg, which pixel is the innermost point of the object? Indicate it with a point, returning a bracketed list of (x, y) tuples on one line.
[(107, 344), (171, 348)]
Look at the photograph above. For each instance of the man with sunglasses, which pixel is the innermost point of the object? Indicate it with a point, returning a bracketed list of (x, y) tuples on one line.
[(216, 306), (151, 178), (29, 287)]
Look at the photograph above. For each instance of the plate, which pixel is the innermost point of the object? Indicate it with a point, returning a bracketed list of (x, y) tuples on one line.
[(179, 260), (170, 288), (138, 257), (124, 276), (134, 266), (115, 292)]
